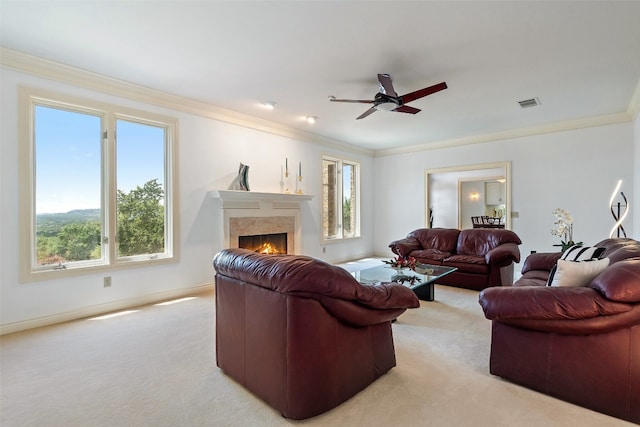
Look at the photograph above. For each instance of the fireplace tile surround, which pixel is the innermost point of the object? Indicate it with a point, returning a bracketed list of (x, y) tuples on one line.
[(250, 213)]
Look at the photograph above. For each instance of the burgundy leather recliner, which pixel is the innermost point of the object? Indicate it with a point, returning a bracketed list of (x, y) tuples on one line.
[(299, 333), (579, 344)]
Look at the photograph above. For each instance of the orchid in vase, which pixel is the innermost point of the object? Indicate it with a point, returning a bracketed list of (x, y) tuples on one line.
[(563, 228)]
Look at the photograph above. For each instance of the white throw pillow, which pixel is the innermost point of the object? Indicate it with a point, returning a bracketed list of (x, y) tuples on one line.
[(581, 273)]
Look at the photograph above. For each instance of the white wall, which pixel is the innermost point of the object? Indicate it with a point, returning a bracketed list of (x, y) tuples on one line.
[(576, 170), (209, 154)]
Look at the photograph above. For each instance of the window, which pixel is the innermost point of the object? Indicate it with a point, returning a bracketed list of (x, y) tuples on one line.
[(97, 184), (340, 199)]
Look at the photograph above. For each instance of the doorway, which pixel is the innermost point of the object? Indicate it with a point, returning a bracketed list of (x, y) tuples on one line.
[(455, 194)]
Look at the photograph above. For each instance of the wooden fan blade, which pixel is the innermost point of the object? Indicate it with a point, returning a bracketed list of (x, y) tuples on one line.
[(412, 96), (406, 109), (366, 113), (360, 101), (387, 85)]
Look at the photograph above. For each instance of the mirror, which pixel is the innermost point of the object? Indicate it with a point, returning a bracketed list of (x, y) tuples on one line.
[(454, 195)]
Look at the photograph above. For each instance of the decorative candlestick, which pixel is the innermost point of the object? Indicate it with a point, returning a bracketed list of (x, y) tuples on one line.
[(286, 182), (281, 180), (299, 185), (286, 175)]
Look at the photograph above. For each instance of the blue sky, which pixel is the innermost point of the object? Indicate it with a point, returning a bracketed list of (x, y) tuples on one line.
[(346, 181), (68, 158)]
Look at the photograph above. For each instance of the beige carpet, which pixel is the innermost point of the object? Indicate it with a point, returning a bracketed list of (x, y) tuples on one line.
[(156, 367)]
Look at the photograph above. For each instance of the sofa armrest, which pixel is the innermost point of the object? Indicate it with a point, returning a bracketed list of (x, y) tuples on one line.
[(357, 315), (547, 303), (541, 261), (403, 247), (503, 255), (620, 281)]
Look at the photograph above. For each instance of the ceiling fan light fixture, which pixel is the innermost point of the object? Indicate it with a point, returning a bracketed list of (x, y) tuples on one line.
[(311, 119), (387, 98), (386, 106), (269, 105)]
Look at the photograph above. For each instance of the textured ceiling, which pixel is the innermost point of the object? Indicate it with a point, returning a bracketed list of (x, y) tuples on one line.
[(581, 59)]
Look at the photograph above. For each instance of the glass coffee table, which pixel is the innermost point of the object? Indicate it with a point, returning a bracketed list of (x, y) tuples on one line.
[(420, 280)]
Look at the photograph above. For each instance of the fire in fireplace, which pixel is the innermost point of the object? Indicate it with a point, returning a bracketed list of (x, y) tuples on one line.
[(264, 243)]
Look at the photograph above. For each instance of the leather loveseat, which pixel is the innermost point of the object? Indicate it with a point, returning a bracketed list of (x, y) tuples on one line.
[(579, 344), (299, 333), (483, 257)]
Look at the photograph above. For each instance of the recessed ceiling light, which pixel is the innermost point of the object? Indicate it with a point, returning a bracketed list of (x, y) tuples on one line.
[(269, 105), (311, 119)]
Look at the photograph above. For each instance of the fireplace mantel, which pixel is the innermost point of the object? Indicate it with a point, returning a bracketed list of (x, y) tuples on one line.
[(251, 212), (232, 199)]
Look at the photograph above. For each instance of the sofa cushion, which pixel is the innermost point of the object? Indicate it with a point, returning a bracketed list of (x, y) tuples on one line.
[(444, 239), (621, 281), (576, 273), (623, 252), (479, 241), (619, 248), (467, 264), (532, 280), (431, 254), (543, 261)]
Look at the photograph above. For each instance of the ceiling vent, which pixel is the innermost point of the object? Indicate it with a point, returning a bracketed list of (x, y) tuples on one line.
[(528, 103)]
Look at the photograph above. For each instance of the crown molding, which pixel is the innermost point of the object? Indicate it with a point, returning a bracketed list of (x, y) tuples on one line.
[(603, 120), (89, 80)]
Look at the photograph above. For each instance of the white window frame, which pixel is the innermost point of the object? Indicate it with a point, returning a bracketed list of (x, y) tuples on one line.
[(29, 271), (340, 236)]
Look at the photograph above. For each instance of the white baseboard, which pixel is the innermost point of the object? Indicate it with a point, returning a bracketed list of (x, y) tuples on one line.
[(99, 309)]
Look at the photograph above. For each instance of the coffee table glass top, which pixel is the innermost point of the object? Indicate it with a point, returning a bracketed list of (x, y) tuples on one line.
[(424, 274), (420, 280)]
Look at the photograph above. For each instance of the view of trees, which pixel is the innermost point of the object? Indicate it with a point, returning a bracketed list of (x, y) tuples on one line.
[(76, 235), (141, 220), (70, 236), (346, 215)]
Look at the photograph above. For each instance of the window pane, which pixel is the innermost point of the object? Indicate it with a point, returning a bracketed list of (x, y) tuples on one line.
[(141, 191), (348, 200), (68, 209), (330, 199)]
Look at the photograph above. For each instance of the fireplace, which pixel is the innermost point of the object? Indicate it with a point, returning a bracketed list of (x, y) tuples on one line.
[(275, 243), (249, 213), (242, 231)]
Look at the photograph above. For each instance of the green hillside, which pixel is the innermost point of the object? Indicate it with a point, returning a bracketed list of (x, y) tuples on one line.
[(50, 224)]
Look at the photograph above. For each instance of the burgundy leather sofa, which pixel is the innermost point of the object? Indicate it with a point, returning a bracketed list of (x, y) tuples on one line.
[(299, 333), (579, 344), (483, 257)]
